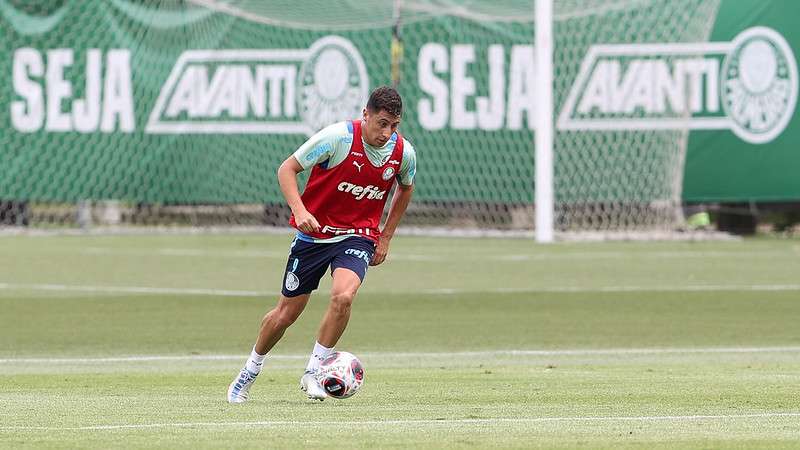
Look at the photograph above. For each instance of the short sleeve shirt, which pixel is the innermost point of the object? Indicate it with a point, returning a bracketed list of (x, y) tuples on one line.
[(331, 145)]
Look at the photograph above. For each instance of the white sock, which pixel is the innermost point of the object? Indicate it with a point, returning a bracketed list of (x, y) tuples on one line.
[(254, 362), (320, 352)]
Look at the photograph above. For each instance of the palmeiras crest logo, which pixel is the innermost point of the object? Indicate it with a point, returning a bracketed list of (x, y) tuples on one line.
[(292, 282), (759, 84), (275, 91), (388, 174), (333, 83)]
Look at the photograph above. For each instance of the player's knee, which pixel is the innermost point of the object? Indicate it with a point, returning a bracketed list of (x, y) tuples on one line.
[(342, 301), (281, 317), (282, 320)]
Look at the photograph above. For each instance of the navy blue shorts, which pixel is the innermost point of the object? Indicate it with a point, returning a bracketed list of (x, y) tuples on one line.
[(308, 262)]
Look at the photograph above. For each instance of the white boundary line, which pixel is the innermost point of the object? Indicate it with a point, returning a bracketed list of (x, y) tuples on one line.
[(153, 290), (688, 288), (134, 290), (789, 252), (487, 421), (420, 355)]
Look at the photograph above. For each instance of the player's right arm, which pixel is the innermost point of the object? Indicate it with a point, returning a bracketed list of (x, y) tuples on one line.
[(287, 179), (329, 145)]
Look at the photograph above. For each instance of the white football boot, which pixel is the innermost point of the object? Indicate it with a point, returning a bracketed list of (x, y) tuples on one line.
[(312, 388), (240, 387)]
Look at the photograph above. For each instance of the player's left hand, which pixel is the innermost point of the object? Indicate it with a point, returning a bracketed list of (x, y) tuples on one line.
[(381, 250)]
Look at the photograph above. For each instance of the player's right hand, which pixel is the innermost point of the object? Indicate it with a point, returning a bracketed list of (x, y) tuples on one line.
[(306, 222)]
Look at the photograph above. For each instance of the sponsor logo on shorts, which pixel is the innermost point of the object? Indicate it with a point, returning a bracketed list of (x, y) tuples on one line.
[(292, 282), (363, 254)]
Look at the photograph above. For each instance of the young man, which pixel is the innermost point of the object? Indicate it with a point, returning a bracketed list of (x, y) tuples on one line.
[(354, 165)]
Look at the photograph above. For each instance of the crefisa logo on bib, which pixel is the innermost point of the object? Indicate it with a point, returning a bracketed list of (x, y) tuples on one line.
[(262, 90), (748, 86)]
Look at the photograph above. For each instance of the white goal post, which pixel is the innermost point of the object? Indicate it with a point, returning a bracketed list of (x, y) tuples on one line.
[(544, 120)]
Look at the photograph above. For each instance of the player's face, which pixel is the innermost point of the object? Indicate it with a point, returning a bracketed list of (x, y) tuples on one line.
[(379, 126)]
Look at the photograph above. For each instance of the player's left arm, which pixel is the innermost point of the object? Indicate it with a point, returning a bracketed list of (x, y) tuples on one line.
[(400, 201)]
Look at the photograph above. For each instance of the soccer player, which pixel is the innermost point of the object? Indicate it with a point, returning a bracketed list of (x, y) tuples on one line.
[(354, 165)]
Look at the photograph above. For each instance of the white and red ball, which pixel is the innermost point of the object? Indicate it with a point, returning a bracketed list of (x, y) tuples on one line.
[(341, 374)]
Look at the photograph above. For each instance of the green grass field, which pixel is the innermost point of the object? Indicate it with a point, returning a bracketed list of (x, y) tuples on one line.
[(131, 341)]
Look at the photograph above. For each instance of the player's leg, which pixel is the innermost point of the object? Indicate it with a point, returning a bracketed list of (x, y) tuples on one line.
[(275, 322), (348, 267), (345, 286), (343, 291), (273, 325), (307, 263)]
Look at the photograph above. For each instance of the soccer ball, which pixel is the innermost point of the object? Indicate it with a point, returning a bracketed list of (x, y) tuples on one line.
[(341, 374)]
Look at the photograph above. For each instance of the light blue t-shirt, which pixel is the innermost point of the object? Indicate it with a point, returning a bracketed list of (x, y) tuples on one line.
[(332, 144)]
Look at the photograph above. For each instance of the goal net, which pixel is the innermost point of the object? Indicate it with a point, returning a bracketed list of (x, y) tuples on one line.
[(167, 112)]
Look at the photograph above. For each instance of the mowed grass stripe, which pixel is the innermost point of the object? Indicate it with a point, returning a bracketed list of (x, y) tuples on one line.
[(738, 300), (417, 355), (482, 421)]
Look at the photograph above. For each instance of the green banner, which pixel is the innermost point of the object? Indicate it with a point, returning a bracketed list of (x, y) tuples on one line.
[(724, 166), (146, 102), (165, 106)]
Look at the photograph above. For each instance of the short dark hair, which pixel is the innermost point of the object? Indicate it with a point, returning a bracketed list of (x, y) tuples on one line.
[(387, 99)]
